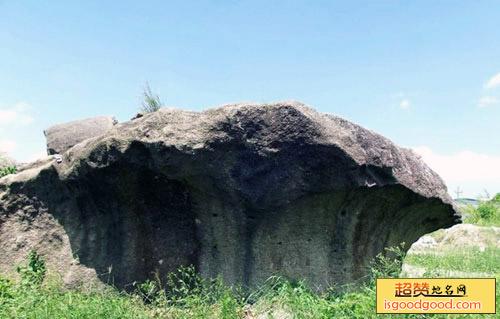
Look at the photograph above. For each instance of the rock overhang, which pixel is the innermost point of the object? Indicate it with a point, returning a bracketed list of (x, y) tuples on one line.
[(296, 191)]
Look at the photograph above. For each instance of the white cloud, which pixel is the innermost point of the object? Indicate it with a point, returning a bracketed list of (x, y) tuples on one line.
[(7, 146), (17, 115), (493, 82), (487, 100), (405, 104), (463, 166), (400, 100), (464, 169)]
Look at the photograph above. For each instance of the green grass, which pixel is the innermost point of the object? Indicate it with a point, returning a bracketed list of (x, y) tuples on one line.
[(462, 260), (183, 294), (450, 257), (487, 213), (35, 293), (465, 260), (50, 300)]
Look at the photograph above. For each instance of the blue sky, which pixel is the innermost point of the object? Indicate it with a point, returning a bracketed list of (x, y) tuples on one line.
[(421, 73)]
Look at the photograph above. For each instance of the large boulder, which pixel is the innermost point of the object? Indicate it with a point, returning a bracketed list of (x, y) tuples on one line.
[(7, 161), (62, 137), (243, 190)]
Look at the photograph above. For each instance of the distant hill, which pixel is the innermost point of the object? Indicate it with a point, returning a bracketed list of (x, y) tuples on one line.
[(464, 201)]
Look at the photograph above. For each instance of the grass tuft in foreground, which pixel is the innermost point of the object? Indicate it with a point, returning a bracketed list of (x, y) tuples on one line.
[(35, 295)]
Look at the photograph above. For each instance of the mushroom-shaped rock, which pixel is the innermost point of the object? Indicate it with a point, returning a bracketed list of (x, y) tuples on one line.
[(244, 191)]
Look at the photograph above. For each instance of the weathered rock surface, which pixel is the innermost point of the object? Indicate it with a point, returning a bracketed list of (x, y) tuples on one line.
[(62, 137), (463, 236), (243, 190), (7, 161)]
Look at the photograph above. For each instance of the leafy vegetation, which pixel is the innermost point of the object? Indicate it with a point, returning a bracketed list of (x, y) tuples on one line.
[(8, 170), (183, 294), (151, 101), (388, 267), (34, 295), (487, 212), (4, 171), (34, 271), (496, 198)]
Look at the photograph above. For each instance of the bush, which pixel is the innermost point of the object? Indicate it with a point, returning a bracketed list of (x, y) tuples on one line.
[(8, 170), (389, 265), (5, 287), (496, 198), (34, 271), (186, 295), (487, 212), (148, 291)]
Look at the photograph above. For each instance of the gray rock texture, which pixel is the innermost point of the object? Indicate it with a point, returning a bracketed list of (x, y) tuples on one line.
[(62, 137), (7, 161), (243, 190)]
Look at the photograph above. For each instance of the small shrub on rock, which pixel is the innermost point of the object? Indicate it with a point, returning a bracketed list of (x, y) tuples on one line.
[(34, 271), (8, 170)]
